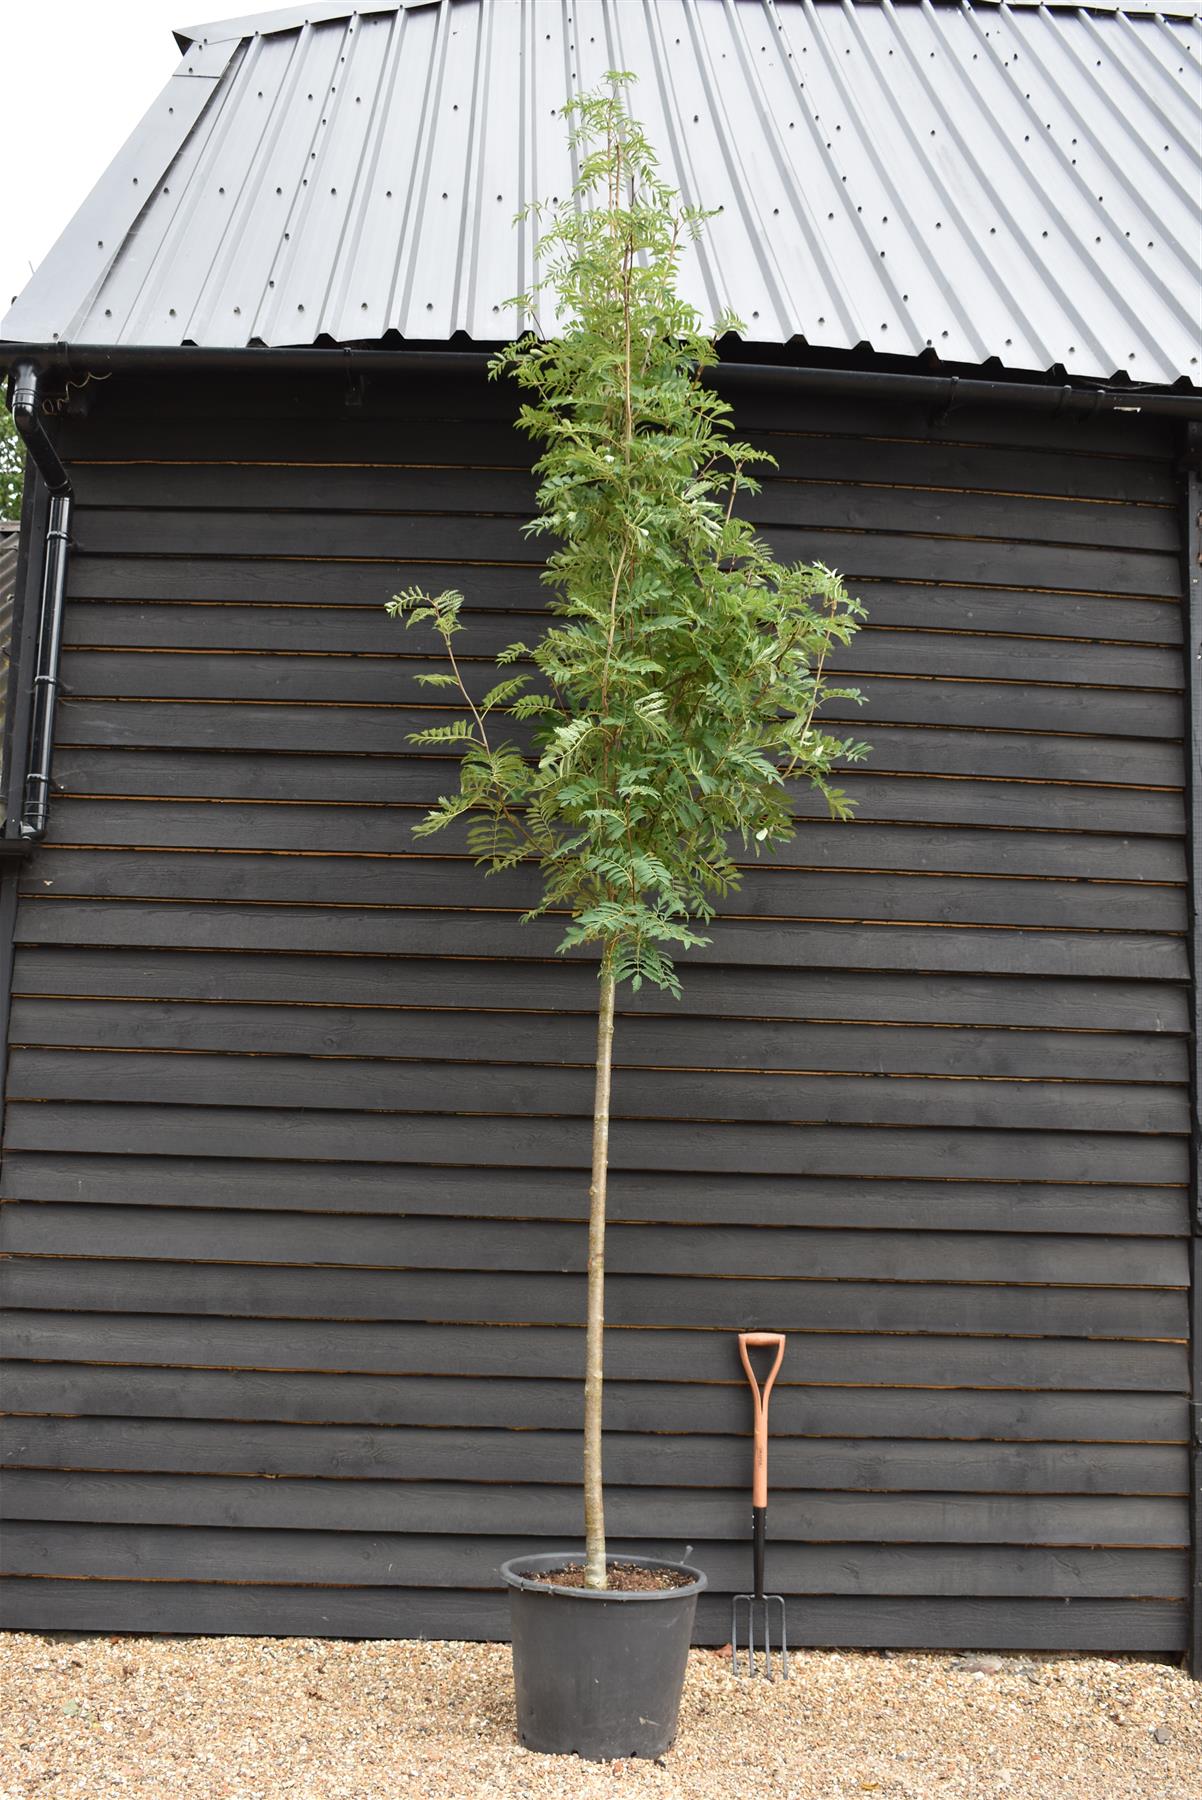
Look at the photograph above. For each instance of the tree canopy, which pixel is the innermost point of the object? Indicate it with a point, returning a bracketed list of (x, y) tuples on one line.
[(673, 697)]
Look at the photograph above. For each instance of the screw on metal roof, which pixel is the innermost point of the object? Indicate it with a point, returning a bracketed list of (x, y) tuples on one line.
[(1112, 300)]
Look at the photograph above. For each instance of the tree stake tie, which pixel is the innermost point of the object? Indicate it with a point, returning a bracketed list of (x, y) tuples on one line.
[(762, 1614)]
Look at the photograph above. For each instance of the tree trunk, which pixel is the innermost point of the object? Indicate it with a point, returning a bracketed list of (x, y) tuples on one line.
[(594, 1499)]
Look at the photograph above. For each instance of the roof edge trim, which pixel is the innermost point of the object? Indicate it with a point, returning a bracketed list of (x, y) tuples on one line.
[(935, 388), (320, 12), (290, 18)]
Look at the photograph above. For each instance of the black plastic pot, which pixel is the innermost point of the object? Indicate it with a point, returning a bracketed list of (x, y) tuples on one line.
[(598, 1674)]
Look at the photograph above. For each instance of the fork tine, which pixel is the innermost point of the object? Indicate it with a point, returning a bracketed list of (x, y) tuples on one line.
[(758, 1637)]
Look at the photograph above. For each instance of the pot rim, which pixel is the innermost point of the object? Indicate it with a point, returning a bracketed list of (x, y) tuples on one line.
[(514, 1576)]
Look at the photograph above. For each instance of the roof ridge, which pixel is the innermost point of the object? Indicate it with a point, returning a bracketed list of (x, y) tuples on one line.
[(320, 12)]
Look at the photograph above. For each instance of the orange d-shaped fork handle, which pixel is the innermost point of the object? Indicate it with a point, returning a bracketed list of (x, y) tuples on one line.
[(759, 1467)]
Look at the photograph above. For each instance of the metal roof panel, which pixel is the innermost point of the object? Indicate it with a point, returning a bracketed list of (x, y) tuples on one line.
[(1018, 182)]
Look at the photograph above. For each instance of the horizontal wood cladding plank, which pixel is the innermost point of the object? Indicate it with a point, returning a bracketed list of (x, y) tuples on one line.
[(312, 1398), (224, 1289), (344, 1508), (840, 1361), (641, 1041), (857, 531), (267, 581), (360, 674), (820, 844), (363, 984), (759, 407), (747, 943), (1020, 745), (334, 625), (374, 466), (47, 1604), (400, 1453), (793, 501), (365, 1612), (1127, 1212), (119, 465), (337, 1241), (984, 708), (531, 1090), (1005, 471), (319, 792), (866, 561), (267, 649), (925, 1154), (996, 608), (106, 1550), (839, 896), (372, 781), (355, 678), (472, 1563)]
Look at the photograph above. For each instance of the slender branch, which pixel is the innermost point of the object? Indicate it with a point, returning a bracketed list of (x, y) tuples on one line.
[(519, 824), (815, 696)]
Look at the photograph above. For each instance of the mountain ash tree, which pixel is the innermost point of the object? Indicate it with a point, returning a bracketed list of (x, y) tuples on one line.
[(672, 698)]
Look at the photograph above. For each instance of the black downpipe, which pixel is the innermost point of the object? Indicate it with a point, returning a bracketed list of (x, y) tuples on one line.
[(35, 799)]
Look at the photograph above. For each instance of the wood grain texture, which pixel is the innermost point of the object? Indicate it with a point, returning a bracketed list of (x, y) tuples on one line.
[(979, 1420), (1156, 1627), (561, 988), (416, 1508), (287, 1098), (837, 1361), (1142, 860), (349, 1240), (696, 1460), (646, 1041), (323, 627), (110, 1553), (643, 1302), (1126, 1211), (908, 1151)]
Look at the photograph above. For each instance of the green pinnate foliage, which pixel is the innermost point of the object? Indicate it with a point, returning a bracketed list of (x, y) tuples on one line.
[(12, 467), (674, 699)]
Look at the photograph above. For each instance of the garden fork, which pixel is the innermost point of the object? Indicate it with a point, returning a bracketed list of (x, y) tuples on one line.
[(758, 1610)]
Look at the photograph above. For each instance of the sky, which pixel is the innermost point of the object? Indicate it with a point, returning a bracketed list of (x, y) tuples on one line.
[(79, 74)]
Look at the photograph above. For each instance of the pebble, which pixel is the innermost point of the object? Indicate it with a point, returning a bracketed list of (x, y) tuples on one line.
[(231, 1719)]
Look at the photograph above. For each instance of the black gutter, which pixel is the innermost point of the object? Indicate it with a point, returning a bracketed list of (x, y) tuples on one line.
[(939, 391), (35, 797)]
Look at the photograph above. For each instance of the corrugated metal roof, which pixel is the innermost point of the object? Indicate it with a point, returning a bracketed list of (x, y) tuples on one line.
[(992, 181)]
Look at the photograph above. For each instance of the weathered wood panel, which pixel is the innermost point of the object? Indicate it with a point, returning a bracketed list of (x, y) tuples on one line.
[(358, 1610), (287, 1098), (997, 1419), (839, 1359)]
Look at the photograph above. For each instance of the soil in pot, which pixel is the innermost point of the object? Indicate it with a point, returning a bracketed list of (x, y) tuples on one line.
[(624, 1578)]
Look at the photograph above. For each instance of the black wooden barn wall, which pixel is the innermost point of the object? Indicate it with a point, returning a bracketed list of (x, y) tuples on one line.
[(297, 1112)]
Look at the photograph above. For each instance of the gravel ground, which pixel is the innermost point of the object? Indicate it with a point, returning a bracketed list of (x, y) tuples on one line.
[(264, 1718)]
